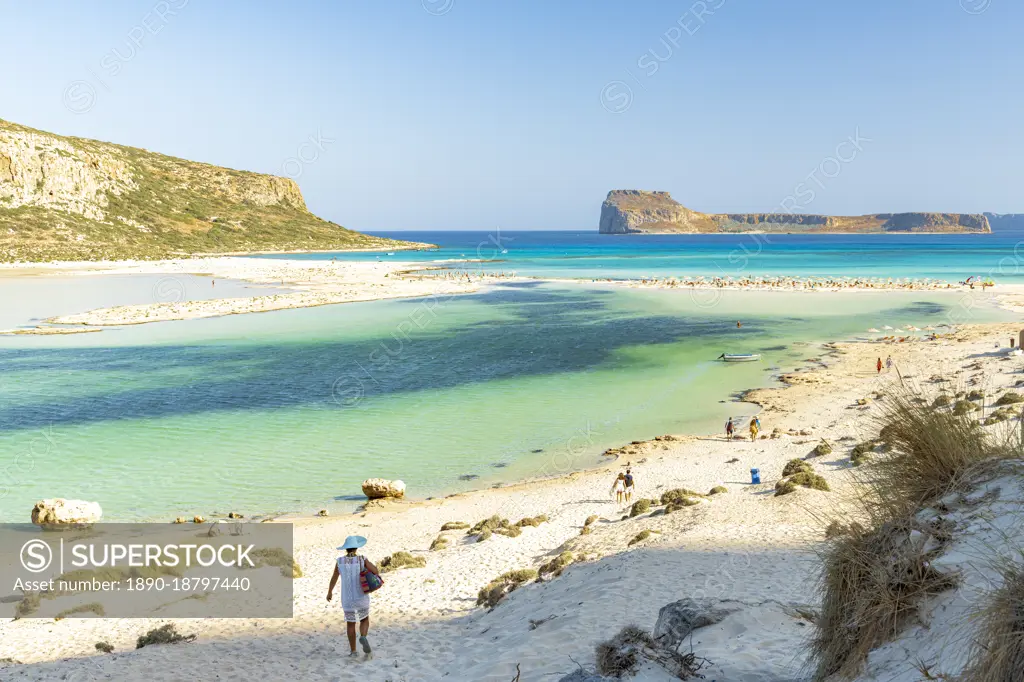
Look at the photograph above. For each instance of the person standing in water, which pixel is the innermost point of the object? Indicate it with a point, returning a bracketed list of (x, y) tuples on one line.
[(628, 480), (354, 602), (729, 428)]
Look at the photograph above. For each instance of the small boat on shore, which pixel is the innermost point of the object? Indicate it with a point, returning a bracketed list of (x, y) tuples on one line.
[(740, 357)]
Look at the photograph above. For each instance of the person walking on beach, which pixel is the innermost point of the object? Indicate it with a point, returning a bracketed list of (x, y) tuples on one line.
[(619, 487), (628, 481), (878, 365), (729, 428), (354, 601), (755, 426), (888, 364)]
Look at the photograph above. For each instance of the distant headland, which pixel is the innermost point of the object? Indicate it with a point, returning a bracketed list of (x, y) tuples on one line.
[(634, 211)]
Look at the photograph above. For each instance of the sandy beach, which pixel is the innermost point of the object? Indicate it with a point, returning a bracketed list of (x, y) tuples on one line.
[(312, 283), (745, 545)]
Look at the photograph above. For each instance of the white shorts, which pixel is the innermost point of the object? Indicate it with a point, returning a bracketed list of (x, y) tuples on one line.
[(357, 615)]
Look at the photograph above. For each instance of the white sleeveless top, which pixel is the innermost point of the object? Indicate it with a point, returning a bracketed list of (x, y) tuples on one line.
[(352, 595)]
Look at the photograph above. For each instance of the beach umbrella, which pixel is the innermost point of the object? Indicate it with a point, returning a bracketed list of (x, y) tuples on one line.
[(873, 330), (887, 328), (898, 331), (929, 328)]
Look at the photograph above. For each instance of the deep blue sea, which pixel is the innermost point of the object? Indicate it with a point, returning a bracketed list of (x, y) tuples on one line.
[(583, 254)]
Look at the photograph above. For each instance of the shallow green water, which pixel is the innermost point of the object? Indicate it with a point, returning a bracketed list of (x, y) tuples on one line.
[(290, 411)]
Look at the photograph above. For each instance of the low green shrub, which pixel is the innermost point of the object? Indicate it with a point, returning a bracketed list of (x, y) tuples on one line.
[(640, 537), (400, 560)]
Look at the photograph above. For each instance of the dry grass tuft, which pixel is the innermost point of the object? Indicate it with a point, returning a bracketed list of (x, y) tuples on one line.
[(639, 537), (401, 560), (875, 574), (455, 525), (640, 507), (497, 589), (557, 565), (439, 543), (275, 556), (677, 495), (998, 656), (718, 489), (795, 466), (533, 521), (105, 647), (166, 634), (591, 519), (621, 654), (94, 608), (963, 407), (872, 582), (1009, 398)]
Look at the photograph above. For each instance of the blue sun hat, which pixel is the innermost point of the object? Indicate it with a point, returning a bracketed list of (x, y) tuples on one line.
[(353, 542)]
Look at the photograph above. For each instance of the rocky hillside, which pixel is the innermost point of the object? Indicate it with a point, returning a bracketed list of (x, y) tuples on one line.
[(627, 211), (1005, 221), (66, 198)]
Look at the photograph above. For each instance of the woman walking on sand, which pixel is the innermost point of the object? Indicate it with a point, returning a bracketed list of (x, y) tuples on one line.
[(755, 424), (355, 602), (619, 487), (878, 365)]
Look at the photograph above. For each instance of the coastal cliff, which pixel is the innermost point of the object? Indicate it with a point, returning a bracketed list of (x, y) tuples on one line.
[(631, 211), (66, 198)]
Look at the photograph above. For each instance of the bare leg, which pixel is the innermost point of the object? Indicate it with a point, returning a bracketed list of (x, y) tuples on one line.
[(364, 629), (352, 636)]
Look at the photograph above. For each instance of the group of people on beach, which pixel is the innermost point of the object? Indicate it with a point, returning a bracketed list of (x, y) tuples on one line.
[(623, 487), (755, 428), (888, 365), (790, 283)]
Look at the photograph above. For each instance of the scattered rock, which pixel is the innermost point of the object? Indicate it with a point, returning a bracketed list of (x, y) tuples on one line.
[(180, 519), (322, 512), (677, 620), (57, 512), (379, 488), (235, 515), (463, 477), (198, 519)]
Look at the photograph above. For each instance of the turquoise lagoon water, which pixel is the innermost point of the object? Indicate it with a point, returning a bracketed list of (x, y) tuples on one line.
[(587, 254), (291, 410)]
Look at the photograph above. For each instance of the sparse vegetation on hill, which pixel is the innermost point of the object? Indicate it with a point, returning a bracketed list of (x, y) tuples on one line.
[(69, 198)]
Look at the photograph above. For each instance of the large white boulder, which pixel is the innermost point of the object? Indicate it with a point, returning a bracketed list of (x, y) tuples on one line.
[(61, 512), (379, 488)]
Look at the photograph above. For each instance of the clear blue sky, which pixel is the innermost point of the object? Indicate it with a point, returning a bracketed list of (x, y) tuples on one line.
[(465, 114)]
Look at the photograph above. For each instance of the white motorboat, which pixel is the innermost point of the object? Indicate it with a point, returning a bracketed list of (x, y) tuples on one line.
[(740, 357)]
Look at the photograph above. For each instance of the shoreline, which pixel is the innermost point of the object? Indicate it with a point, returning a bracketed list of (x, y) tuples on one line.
[(315, 283), (745, 545)]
